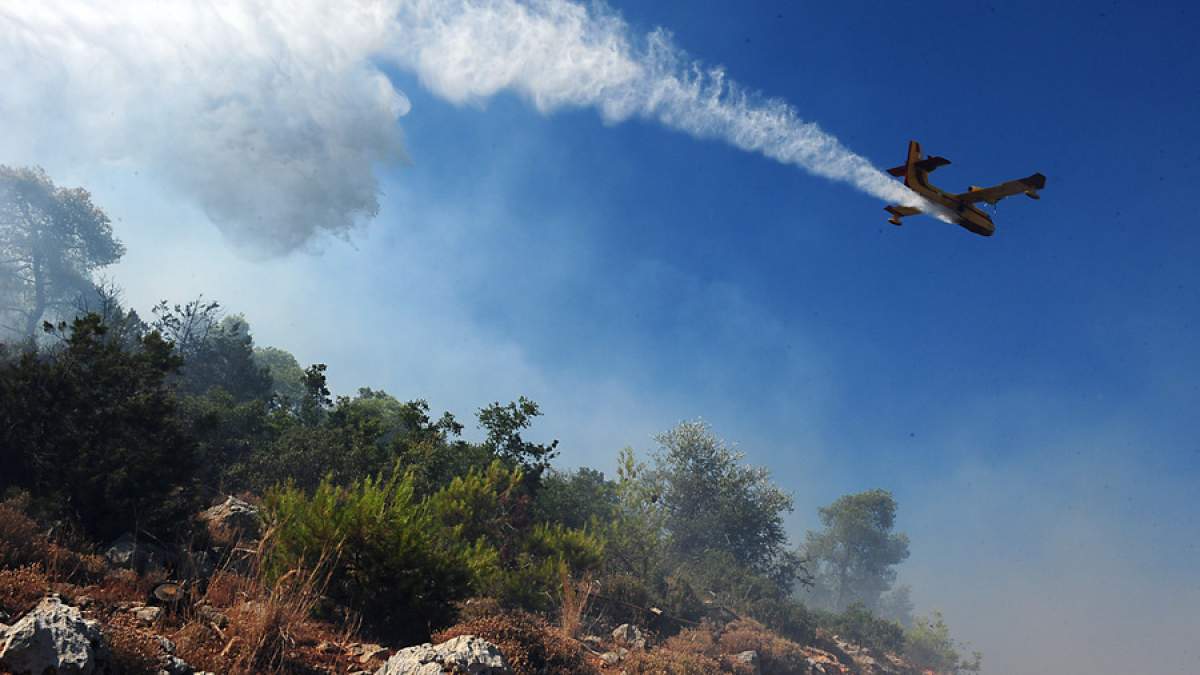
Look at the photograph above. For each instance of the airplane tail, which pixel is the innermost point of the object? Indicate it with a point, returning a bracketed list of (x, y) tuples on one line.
[(914, 156)]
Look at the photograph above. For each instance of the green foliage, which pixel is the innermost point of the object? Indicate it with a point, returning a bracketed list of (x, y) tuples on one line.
[(90, 429), (351, 439), (287, 377), (786, 616), (218, 352), (227, 434), (387, 556), (504, 424), (487, 505), (658, 555), (856, 552), (577, 499), (928, 646), (859, 626), (637, 535), (515, 561), (51, 241), (713, 502)]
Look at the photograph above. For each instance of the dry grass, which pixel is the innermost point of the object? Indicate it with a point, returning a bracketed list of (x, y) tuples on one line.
[(664, 661), (777, 655), (529, 644), (576, 596), (22, 542), (711, 649), (269, 627), (134, 650), (21, 588), (124, 586), (702, 639)]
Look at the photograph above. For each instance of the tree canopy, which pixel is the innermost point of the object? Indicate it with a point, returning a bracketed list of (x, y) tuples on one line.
[(51, 241), (856, 552)]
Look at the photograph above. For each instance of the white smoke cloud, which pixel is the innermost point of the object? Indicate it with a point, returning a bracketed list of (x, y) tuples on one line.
[(269, 114), (273, 115)]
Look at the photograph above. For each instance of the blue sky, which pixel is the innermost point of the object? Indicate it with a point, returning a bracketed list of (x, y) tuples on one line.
[(1029, 398)]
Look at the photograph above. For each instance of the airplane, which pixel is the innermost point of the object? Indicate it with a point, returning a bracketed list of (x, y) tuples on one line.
[(959, 207)]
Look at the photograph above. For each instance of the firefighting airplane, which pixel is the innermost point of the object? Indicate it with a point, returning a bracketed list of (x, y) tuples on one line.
[(960, 208)]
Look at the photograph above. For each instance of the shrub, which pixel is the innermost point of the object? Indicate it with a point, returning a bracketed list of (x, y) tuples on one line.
[(928, 646), (859, 626), (788, 617), (529, 644), (621, 598), (90, 430), (385, 555), (518, 563), (21, 588)]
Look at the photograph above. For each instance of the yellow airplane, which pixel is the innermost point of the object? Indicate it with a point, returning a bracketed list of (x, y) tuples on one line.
[(960, 208)]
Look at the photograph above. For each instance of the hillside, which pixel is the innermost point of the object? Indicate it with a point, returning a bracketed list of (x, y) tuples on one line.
[(139, 607)]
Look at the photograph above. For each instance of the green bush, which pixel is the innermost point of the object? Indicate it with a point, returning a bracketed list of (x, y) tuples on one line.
[(928, 646), (513, 560), (387, 557), (859, 626), (90, 429)]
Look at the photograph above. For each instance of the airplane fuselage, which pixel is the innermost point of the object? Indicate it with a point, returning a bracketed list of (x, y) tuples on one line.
[(962, 213), (965, 215)]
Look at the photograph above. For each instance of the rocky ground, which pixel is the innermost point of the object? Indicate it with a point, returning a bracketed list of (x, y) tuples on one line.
[(67, 612)]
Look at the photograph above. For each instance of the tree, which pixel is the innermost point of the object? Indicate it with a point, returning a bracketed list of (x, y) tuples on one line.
[(715, 503), (897, 605), (855, 553), (90, 429), (504, 424), (217, 351), (287, 377), (577, 499), (51, 241)]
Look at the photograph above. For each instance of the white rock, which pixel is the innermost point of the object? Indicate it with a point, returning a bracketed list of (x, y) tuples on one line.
[(147, 615), (628, 634), (464, 654), (52, 637), (749, 658)]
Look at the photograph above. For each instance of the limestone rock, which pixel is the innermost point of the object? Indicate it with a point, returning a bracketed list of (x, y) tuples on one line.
[(628, 635), (52, 637), (748, 661), (173, 665), (367, 651), (232, 520), (464, 654), (131, 553), (147, 615)]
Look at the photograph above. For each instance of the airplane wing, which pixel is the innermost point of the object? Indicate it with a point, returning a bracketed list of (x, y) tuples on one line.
[(899, 212), (991, 195)]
